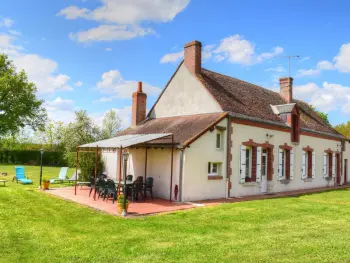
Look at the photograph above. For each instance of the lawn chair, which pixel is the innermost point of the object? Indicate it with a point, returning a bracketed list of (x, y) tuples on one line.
[(101, 188), (110, 190), (75, 176), (61, 176), (148, 186), (20, 176), (137, 188)]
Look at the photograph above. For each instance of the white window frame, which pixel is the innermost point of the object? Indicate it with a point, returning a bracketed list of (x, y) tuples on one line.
[(250, 149), (211, 166)]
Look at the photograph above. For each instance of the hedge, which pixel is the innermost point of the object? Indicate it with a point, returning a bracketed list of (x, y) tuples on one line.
[(32, 157)]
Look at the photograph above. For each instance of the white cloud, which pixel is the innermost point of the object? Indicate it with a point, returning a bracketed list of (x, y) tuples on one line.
[(234, 49), (172, 57), (60, 110), (342, 60), (105, 99), (108, 49), (111, 33), (42, 72), (325, 65), (6, 22), (121, 19), (278, 69), (15, 33), (307, 72), (78, 84), (330, 97), (113, 83), (304, 59), (7, 46)]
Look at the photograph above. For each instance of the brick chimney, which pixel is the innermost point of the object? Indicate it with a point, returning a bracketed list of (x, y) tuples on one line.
[(286, 89), (193, 56), (138, 105)]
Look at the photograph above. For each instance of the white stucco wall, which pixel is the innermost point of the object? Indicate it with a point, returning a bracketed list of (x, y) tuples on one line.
[(242, 133), (196, 185), (346, 155), (184, 95), (158, 167), (110, 160)]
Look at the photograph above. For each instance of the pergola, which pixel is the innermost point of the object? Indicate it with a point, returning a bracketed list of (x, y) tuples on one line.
[(121, 143)]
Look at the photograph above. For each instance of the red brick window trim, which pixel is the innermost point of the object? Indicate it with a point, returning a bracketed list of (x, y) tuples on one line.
[(251, 143), (328, 151), (286, 147), (308, 149)]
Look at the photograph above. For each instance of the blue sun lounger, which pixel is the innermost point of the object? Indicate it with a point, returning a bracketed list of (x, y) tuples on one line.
[(61, 176), (20, 176)]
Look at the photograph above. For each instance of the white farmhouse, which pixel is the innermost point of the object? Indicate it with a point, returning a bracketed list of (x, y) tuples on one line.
[(232, 138)]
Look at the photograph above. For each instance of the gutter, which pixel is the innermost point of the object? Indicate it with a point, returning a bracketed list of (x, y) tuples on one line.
[(181, 175), (228, 152)]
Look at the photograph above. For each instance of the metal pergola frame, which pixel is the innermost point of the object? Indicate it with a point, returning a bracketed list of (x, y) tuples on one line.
[(97, 150)]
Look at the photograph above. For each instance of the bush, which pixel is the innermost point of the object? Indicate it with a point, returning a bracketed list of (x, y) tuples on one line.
[(32, 157)]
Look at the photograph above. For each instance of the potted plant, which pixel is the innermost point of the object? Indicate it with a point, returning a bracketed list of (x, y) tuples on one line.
[(121, 203), (46, 184)]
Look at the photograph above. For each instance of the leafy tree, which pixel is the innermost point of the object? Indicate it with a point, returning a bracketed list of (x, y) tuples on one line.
[(52, 135), (344, 129), (111, 125), (323, 115), (81, 131), (19, 106)]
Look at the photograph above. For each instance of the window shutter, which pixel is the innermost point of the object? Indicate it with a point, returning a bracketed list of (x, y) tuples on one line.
[(258, 164), (313, 165), (243, 166), (333, 165), (325, 168), (280, 164), (291, 170), (303, 166)]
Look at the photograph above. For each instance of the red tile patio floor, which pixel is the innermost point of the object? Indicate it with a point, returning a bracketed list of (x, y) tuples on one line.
[(156, 206), (138, 208)]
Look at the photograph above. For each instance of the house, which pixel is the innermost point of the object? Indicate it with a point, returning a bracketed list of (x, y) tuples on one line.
[(231, 138)]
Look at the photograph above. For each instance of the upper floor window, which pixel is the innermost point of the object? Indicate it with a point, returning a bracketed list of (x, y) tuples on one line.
[(218, 140)]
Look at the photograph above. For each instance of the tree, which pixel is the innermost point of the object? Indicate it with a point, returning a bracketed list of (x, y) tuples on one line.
[(19, 106), (52, 135), (81, 131), (344, 129), (323, 115), (111, 125)]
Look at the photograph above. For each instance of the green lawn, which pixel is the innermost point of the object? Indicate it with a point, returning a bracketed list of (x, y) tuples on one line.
[(35, 227), (33, 173)]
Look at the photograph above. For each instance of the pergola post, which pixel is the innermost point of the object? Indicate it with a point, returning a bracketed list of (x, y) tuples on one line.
[(120, 168), (96, 163), (171, 166), (76, 169), (146, 164)]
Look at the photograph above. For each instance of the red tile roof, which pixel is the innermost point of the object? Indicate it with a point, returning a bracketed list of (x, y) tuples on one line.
[(184, 128), (246, 100)]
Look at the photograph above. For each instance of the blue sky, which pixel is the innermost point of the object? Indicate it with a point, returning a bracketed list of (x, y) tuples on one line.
[(88, 54)]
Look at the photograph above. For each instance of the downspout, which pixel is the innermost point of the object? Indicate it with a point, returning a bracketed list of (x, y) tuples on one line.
[(228, 151), (181, 174)]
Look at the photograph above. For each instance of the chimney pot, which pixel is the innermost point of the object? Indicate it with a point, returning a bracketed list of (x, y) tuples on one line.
[(193, 56), (286, 89), (138, 105)]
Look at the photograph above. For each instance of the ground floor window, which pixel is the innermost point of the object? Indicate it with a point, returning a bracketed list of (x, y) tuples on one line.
[(213, 169), (285, 162), (308, 163)]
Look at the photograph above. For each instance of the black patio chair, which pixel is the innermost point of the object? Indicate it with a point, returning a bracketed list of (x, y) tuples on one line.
[(148, 186), (129, 177), (136, 189), (101, 188), (110, 190), (139, 179)]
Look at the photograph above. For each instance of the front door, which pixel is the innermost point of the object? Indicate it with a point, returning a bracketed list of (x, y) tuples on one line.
[(345, 171), (264, 172)]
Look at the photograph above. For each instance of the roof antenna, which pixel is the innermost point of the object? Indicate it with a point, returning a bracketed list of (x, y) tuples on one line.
[(289, 57)]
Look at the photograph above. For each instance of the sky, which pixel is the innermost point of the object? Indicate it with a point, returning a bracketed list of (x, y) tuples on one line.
[(89, 54)]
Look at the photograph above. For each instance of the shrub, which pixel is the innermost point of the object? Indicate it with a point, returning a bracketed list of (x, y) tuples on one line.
[(32, 157)]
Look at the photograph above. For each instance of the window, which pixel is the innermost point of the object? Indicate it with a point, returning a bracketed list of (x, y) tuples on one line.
[(218, 140), (213, 169), (286, 163)]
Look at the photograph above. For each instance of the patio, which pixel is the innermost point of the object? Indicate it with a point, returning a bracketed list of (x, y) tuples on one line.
[(138, 208)]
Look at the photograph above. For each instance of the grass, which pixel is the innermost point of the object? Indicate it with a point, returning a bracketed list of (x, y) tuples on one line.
[(35, 227), (33, 173)]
